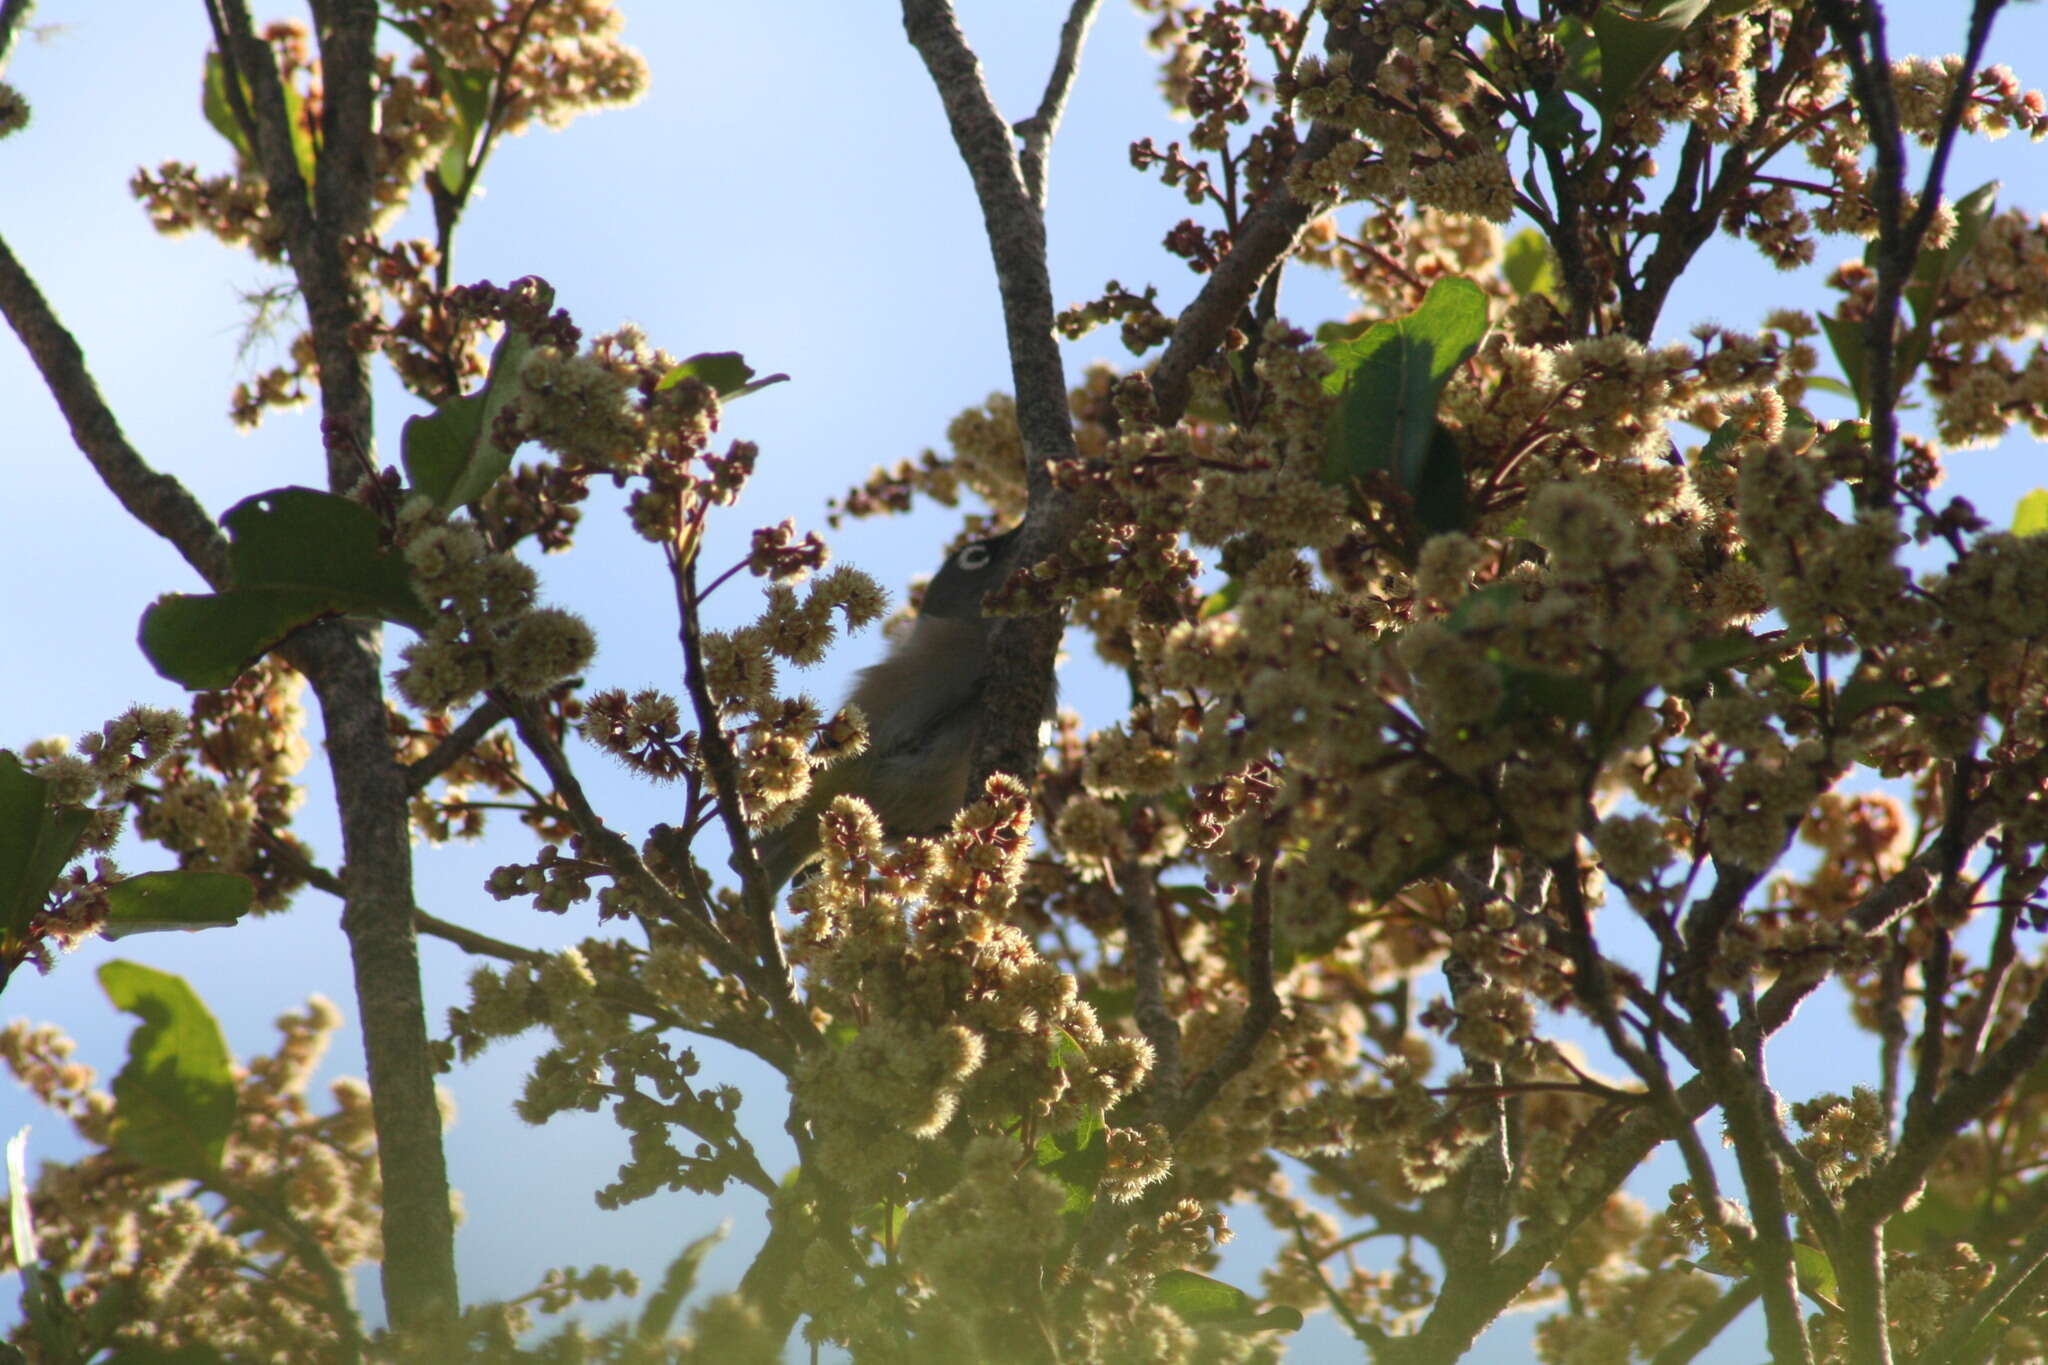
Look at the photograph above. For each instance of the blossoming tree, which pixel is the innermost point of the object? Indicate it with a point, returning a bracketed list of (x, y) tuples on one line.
[(1473, 642)]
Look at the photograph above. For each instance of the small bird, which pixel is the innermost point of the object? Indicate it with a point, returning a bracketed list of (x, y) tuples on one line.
[(922, 703)]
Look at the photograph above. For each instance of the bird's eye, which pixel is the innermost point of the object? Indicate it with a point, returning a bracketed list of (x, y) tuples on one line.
[(974, 558)]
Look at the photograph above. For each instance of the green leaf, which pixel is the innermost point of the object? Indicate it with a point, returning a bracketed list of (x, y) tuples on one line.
[(37, 838), (1558, 124), (1846, 339), (727, 372), (295, 555), (470, 92), (1631, 46), (1827, 385), (1860, 696), (452, 454), (1935, 265), (1793, 675), (1581, 48), (220, 114), (174, 1101), (152, 902), (1527, 265), (1715, 451), (676, 1283), (2030, 517), (1440, 487), (1223, 599), (1388, 381), (1200, 1301), (1077, 1159), (1815, 1272), (219, 111)]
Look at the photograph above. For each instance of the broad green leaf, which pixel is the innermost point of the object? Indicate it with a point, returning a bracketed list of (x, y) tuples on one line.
[(1527, 265), (1558, 124), (1715, 451), (727, 372), (452, 454), (1439, 490), (1388, 381), (1200, 1301), (1860, 696), (219, 111), (2030, 517), (1632, 46), (1223, 599), (1935, 265), (174, 1101), (1793, 674), (220, 114), (470, 92), (1827, 385), (1815, 1271), (295, 555), (152, 902), (676, 1283), (1075, 1158), (1581, 48), (1845, 336), (37, 838)]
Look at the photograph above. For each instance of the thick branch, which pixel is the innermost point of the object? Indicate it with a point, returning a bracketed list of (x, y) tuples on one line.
[(318, 220), (341, 661), (156, 500), (1262, 240), (1021, 648)]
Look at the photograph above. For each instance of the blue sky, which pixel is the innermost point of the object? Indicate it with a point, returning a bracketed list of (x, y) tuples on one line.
[(786, 189)]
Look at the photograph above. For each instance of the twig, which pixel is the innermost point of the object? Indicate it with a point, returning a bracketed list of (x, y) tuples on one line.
[(2024, 1269), (723, 765), (1898, 238), (1145, 955), (1260, 1012), (156, 500), (470, 941), (1371, 1333), (335, 1300), (1711, 1322), (454, 746), (1037, 131), (625, 862), (1266, 235)]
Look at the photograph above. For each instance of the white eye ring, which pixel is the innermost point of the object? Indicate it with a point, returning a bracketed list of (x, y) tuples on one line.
[(974, 558)]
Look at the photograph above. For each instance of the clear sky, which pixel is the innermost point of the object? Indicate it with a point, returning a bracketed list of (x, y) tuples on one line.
[(787, 189)]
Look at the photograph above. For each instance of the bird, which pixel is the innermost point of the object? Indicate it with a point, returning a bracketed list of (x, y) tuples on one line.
[(923, 704)]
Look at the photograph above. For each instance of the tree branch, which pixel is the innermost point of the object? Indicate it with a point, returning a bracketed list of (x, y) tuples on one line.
[(1145, 955), (1261, 1010), (454, 746), (156, 500), (1036, 132), (1021, 648)]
